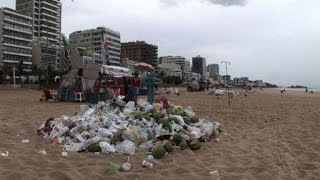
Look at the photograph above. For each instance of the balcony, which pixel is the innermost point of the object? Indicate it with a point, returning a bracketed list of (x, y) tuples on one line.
[(52, 22), (10, 61), (17, 14), (55, 17), (18, 46), (48, 32), (50, 27), (49, 4), (17, 30), (18, 22), (18, 38), (17, 54), (48, 9)]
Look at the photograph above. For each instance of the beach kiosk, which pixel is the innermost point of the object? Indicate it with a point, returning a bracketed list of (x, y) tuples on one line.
[(93, 83)]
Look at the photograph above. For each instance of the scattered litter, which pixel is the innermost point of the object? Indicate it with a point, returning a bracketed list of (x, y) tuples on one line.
[(4, 154), (150, 157), (25, 141), (214, 173), (113, 167), (64, 154), (147, 164), (43, 152), (126, 167)]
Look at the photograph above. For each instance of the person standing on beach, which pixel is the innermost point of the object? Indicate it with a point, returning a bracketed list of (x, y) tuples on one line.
[(136, 85), (150, 81)]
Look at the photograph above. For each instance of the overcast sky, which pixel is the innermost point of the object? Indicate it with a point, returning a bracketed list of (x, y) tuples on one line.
[(274, 40)]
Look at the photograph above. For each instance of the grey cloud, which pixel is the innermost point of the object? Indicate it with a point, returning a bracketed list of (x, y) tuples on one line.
[(226, 3), (229, 2)]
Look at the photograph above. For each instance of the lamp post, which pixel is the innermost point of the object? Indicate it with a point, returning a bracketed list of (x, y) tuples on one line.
[(225, 81)]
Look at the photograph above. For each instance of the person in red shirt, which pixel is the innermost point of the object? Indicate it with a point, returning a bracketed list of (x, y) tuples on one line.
[(136, 85)]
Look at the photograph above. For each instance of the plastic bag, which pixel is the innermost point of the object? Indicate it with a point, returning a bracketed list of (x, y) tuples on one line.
[(195, 133), (189, 111), (148, 107), (142, 103), (127, 111), (207, 129), (79, 128), (58, 130), (106, 147), (135, 134), (94, 124), (179, 118), (89, 112), (83, 136), (113, 128), (130, 105), (147, 145), (73, 147), (126, 148), (120, 102), (90, 141), (104, 133)]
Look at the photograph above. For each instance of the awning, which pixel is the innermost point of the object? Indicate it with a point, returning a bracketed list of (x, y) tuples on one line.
[(116, 71), (143, 67)]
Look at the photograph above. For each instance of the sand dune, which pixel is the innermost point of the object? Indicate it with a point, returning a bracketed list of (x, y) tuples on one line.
[(267, 135)]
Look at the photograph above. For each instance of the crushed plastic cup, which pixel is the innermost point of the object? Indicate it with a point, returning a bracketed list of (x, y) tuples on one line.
[(4, 154), (25, 141), (126, 167), (214, 174), (150, 157), (147, 164), (43, 152), (64, 154)]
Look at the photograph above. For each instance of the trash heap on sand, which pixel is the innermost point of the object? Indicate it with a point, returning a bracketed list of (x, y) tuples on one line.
[(119, 127)]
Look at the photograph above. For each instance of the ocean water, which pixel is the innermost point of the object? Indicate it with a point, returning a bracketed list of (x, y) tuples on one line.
[(300, 89)]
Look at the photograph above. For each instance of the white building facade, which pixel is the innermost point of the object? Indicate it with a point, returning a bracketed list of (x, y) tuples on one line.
[(15, 39), (91, 40), (178, 60), (46, 29)]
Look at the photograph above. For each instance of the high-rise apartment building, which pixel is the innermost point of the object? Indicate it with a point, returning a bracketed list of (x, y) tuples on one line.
[(213, 70), (182, 61), (91, 40), (140, 51), (15, 38), (199, 65), (46, 29)]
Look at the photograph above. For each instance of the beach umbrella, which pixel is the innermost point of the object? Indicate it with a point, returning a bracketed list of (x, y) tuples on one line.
[(143, 67)]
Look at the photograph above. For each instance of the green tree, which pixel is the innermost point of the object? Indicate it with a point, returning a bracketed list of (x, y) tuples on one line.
[(7, 70), (20, 70)]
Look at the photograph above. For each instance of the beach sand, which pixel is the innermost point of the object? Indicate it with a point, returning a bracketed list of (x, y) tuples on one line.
[(267, 135)]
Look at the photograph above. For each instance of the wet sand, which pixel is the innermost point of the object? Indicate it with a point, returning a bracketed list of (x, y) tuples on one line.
[(267, 135)]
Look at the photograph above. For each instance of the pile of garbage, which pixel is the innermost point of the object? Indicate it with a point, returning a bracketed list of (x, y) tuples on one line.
[(116, 126)]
